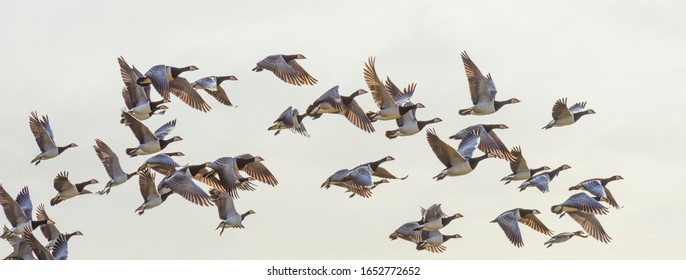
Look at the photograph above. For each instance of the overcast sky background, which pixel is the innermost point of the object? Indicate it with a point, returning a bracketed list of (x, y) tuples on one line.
[(626, 59)]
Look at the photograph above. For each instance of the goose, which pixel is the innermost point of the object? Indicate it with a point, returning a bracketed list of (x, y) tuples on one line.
[(66, 189), (212, 85), (227, 168), (598, 188), (20, 248), (433, 218), (457, 162), (508, 222), (563, 237), (409, 231), (331, 102), (160, 77), (583, 208), (227, 211), (59, 252), (489, 142), (151, 197), (162, 163), (357, 180), (50, 231), (44, 138), (136, 97), (111, 162), (149, 143), (542, 180), (181, 182), (408, 123), (381, 172), (432, 241), (520, 170), (18, 212), (563, 116), (286, 68), (388, 108), (482, 90), (290, 119)]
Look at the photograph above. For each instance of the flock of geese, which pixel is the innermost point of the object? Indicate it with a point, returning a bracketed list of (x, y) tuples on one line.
[(228, 176)]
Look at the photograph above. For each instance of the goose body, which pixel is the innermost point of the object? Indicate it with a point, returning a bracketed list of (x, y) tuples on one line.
[(40, 128), (378, 171), (286, 68), (67, 190), (482, 91), (162, 163), (489, 142), (563, 116), (564, 237), (137, 97), (331, 102), (433, 218), (227, 168), (432, 241)]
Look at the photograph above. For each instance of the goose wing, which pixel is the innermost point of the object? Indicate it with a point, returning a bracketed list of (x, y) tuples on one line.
[(444, 152), (586, 204), (382, 97), (24, 201), (41, 252), (164, 130), (146, 183), (224, 202), (302, 75), (478, 86), (594, 187), (61, 182), (50, 231), (591, 225), (228, 177), (185, 91), (577, 107), (108, 158), (541, 182), (13, 211), (508, 222), (560, 110), (142, 133), (133, 93), (518, 164), (357, 116), (40, 133), (182, 184), (61, 250), (158, 77), (258, 171), (533, 222), (468, 145)]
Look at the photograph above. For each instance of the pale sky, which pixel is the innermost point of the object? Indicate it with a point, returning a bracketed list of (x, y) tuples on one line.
[(61, 60)]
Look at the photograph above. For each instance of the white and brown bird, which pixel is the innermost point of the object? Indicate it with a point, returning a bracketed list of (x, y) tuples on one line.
[(286, 68), (67, 189), (489, 142), (137, 97), (482, 90), (290, 119), (598, 188), (509, 223), (45, 138), (230, 218), (563, 116), (148, 142), (457, 162), (228, 170), (50, 230), (19, 213), (583, 208), (331, 102), (110, 161), (212, 85), (388, 106), (542, 180), (433, 218), (564, 237), (519, 167)]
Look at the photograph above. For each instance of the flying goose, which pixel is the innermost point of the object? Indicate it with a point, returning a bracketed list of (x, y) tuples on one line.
[(227, 211), (162, 163), (408, 123), (508, 222), (111, 162), (66, 189), (18, 213), (331, 102), (482, 90), (388, 108), (433, 240), (149, 143), (137, 97), (598, 188), (520, 170), (286, 68), (38, 249), (543, 179), (379, 171), (357, 180), (582, 208), (148, 189), (290, 119), (50, 231), (563, 237), (227, 168), (160, 77), (457, 162), (211, 85), (409, 231), (433, 218), (489, 142), (563, 116), (44, 138)]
